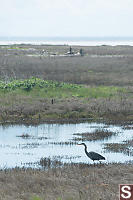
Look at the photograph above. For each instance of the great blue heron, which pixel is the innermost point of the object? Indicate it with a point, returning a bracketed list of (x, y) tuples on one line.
[(92, 155)]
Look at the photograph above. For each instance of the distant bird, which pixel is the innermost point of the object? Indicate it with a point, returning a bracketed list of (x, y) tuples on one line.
[(92, 155), (52, 101)]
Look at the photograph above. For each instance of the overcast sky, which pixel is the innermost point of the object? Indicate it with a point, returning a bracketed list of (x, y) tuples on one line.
[(66, 17)]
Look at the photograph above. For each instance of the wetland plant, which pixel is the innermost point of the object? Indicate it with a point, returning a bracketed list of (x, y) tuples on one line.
[(99, 134)]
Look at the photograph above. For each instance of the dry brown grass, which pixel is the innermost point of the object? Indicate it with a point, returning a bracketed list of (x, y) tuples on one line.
[(103, 65), (25, 108), (80, 182)]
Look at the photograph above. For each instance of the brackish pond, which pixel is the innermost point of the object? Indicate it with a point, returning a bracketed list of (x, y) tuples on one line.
[(22, 145)]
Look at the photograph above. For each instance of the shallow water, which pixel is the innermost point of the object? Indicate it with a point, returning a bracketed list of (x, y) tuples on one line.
[(82, 41), (48, 140)]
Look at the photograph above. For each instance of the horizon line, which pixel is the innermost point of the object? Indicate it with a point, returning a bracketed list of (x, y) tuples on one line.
[(2, 36)]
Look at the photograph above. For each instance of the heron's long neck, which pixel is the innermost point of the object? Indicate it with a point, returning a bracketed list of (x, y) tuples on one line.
[(85, 149)]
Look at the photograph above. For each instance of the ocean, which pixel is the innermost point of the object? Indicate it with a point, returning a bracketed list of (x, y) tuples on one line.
[(80, 41)]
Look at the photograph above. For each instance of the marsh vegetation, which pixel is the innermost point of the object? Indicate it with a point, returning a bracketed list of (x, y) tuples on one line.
[(98, 84), (37, 100), (78, 181), (97, 135), (39, 83), (125, 147)]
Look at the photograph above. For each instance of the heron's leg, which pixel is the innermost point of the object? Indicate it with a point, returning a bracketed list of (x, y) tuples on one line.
[(100, 163)]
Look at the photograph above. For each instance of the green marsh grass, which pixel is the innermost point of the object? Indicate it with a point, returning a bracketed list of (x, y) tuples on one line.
[(32, 99), (36, 198), (36, 87)]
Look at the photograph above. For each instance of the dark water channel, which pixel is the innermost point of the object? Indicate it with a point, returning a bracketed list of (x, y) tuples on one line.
[(56, 141)]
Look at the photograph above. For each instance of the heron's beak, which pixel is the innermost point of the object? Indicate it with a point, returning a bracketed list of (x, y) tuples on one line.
[(79, 144)]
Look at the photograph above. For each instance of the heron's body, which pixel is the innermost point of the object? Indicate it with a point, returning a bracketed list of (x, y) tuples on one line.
[(93, 155)]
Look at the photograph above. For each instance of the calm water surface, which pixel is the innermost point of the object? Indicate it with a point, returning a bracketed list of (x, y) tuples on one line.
[(82, 41), (44, 142)]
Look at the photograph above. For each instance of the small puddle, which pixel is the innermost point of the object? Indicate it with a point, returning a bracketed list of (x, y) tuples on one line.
[(22, 145)]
